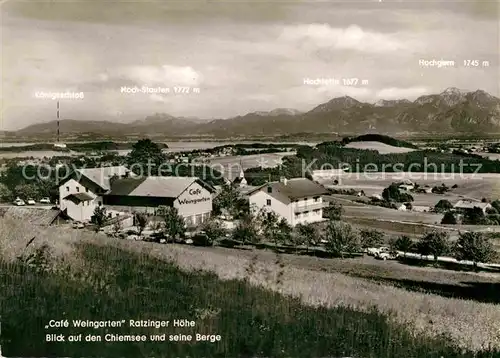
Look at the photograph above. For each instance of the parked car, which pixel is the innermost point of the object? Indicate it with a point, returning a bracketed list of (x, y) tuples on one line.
[(373, 251), (45, 201), (31, 202), (391, 255), (19, 202), (78, 225)]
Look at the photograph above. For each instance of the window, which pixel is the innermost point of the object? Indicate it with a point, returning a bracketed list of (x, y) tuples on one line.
[(67, 188), (316, 199), (316, 212), (77, 189), (268, 202), (306, 213), (87, 190), (269, 189), (297, 215)]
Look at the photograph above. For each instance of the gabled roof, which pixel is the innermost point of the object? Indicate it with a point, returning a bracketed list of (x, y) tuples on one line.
[(100, 176), (79, 197), (35, 216), (471, 204), (166, 187), (295, 188)]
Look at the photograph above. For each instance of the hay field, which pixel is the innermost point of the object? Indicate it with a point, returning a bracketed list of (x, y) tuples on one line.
[(475, 186), (230, 166), (380, 147), (377, 212), (469, 323)]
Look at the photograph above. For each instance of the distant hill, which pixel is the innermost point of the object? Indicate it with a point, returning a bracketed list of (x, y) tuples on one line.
[(451, 112)]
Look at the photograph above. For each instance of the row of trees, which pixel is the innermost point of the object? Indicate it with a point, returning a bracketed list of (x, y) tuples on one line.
[(471, 246)]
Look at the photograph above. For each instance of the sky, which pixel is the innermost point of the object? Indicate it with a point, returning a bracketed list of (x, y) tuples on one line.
[(235, 56)]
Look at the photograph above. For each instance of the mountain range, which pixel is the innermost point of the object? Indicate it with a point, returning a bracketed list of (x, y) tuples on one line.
[(452, 111)]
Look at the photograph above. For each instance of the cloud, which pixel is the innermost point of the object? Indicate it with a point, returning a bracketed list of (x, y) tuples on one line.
[(166, 75), (400, 93), (350, 38)]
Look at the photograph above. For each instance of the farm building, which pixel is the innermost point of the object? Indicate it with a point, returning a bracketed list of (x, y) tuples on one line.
[(468, 204), (326, 174), (120, 191), (298, 200), (191, 196), (82, 192)]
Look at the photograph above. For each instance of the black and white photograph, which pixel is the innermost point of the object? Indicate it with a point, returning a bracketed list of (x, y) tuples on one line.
[(250, 178)]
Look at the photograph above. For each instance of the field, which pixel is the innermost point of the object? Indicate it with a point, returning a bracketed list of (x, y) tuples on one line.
[(382, 148), (469, 185), (341, 307), (231, 165)]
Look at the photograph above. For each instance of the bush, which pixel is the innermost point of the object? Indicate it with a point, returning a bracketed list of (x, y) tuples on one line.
[(443, 205), (449, 218), (202, 239)]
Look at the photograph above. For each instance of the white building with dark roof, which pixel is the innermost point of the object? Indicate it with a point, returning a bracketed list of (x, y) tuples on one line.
[(191, 196), (298, 200), (82, 192), (464, 205), (120, 191)]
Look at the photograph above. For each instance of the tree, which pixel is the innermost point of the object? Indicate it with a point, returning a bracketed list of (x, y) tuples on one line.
[(402, 243), (117, 226), (392, 193), (435, 243), (474, 216), (145, 152), (5, 193), (227, 200), (246, 230), (174, 223), (371, 238), (341, 239), (449, 218), (270, 220), (334, 211), (442, 206), (99, 218), (307, 234), (213, 229), (141, 220), (491, 211), (26, 191), (284, 231), (475, 247), (496, 205)]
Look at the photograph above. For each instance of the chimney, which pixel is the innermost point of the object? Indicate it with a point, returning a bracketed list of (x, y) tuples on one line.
[(283, 180)]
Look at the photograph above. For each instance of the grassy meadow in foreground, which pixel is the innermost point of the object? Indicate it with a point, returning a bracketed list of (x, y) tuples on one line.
[(242, 300), (251, 321)]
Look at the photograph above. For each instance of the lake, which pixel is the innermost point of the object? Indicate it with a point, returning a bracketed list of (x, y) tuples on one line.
[(173, 147)]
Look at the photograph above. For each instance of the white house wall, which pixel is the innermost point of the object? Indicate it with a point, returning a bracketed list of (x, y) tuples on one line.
[(195, 203), (280, 204), (77, 212)]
